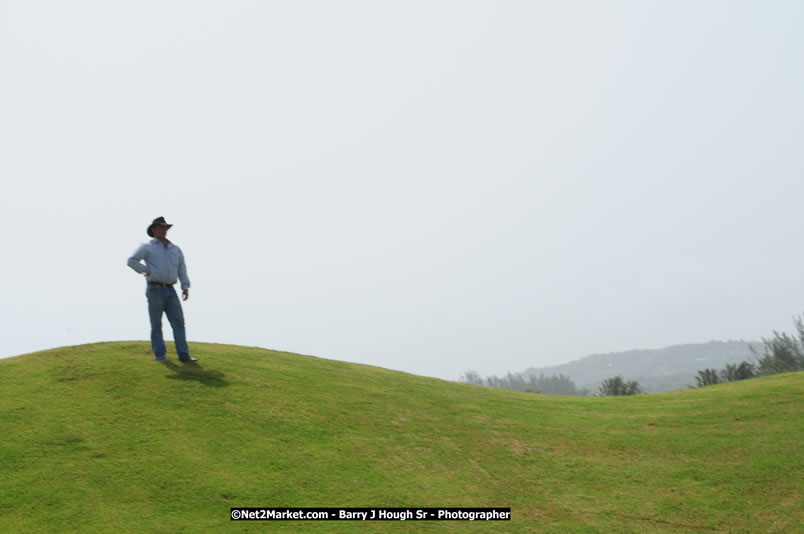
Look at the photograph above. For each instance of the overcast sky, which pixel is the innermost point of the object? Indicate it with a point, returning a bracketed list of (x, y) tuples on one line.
[(428, 186)]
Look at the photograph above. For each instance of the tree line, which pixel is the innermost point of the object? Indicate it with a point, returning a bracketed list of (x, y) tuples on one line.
[(551, 385), (782, 353), (546, 385)]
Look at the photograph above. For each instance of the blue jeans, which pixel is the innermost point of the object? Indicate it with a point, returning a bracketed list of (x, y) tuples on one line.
[(164, 299)]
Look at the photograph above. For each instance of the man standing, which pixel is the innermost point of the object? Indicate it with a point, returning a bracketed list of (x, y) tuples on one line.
[(164, 263)]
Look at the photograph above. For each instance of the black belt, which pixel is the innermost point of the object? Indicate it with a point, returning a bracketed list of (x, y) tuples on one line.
[(160, 284)]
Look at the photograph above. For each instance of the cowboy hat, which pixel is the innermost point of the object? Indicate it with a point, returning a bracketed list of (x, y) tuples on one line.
[(159, 221)]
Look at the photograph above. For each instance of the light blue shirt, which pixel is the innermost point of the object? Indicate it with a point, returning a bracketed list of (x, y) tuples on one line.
[(161, 264)]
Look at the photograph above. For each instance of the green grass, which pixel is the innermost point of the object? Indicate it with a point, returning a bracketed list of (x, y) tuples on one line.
[(100, 438)]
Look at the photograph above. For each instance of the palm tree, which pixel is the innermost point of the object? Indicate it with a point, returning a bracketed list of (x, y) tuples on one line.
[(745, 371), (729, 373), (733, 372), (617, 386), (707, 377), (783, 353)]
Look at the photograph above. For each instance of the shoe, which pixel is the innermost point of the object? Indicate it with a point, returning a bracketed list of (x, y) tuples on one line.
[(160, 358), (190, 359)]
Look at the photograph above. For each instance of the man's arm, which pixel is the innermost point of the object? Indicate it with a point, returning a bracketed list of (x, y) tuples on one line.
[(185, 281), (135, 260)]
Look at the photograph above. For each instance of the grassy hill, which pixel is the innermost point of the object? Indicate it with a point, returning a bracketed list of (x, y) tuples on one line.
[(100, 438)]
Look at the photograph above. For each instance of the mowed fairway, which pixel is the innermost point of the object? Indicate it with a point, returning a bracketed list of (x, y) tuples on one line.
[(100, 438)]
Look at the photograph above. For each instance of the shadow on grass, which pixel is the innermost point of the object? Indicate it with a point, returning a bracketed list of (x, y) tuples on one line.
[(193, 371)]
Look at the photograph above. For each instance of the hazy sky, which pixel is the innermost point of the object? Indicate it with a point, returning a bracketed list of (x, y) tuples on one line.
[(429, 186)]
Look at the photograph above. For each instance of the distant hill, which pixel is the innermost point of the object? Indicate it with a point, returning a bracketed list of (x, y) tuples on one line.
[(656, 370), (100, 438)]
